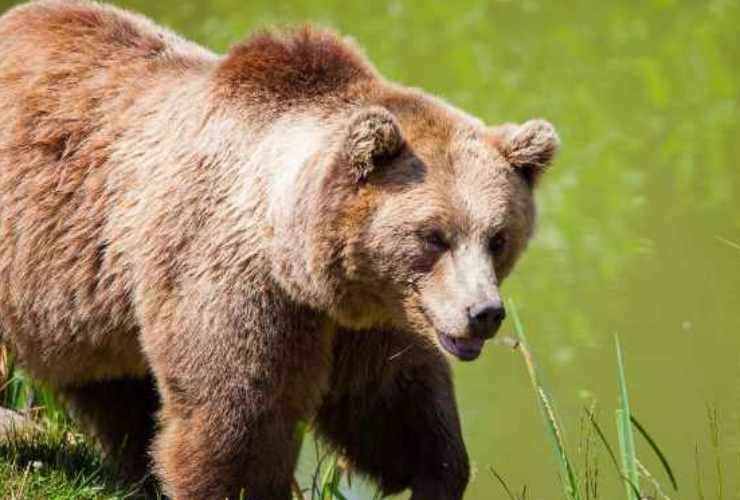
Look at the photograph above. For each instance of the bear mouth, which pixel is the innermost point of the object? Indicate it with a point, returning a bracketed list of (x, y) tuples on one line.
[(463, 348)]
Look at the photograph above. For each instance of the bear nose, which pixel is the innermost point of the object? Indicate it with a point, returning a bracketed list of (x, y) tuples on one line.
[(486, 318)]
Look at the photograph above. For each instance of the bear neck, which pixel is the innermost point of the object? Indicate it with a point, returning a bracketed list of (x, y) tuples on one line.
[(305, 196), (283, 177)]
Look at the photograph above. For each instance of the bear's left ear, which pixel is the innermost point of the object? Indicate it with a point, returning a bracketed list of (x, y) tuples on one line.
[(529, 148), (373, 138)]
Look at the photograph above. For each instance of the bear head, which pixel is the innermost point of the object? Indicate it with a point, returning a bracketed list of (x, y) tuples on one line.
[(435, 211)]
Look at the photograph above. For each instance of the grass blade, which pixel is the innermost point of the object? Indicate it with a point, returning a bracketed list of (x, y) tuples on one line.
[(624, 428), (604, 441), (728, 242), (331, 481), (567, 474), (590, 458), (714, 436), (502, 483), (658, 491), (656, 450), (612, 455), (699, 482)]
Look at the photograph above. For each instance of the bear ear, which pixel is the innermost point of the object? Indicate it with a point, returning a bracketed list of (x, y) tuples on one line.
[(373, 138), (529, 148)]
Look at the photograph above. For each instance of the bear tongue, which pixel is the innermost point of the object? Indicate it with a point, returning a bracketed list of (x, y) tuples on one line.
[(463, 348)]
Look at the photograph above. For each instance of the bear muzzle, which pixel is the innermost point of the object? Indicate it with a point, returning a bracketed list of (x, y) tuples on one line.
[(484, 321)]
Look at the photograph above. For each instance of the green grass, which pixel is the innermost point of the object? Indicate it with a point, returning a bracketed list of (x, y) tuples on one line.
[(626, 437), (57, 463), (568, 480), (584, 484)]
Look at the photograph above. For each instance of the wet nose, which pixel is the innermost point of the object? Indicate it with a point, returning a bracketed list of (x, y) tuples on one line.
[(485, 319)]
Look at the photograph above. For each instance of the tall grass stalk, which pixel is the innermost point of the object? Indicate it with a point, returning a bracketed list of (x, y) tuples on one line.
[(699, 480), (728, 242), (568, 477), (502, 482), (331, 481), (645, 473), (658, 452), (587, 450), (714, 438), (626, 437)]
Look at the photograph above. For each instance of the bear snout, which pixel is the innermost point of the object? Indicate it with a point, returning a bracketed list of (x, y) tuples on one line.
[(485, 319)]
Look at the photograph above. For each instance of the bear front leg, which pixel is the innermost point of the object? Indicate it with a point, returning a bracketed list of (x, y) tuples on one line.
[(226, 450), (395, 418), (235, 374)]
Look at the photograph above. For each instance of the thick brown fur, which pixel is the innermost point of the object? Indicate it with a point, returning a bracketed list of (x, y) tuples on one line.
[(302, 65), (257, 234)]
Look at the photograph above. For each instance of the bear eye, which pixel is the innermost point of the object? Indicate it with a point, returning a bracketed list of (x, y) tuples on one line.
[(497, 244), (436, 241)]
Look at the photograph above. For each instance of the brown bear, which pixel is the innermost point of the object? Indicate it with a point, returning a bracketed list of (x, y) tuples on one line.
[(198, 252)]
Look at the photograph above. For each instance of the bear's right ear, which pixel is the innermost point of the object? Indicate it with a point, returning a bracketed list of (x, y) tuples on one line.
[(373, 138), (530, 148)]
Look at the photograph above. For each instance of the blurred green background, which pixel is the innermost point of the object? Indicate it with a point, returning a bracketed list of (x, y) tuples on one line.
[(638, 217)]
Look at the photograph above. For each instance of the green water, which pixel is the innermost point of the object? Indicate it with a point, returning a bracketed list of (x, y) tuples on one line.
[(635, 217)]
